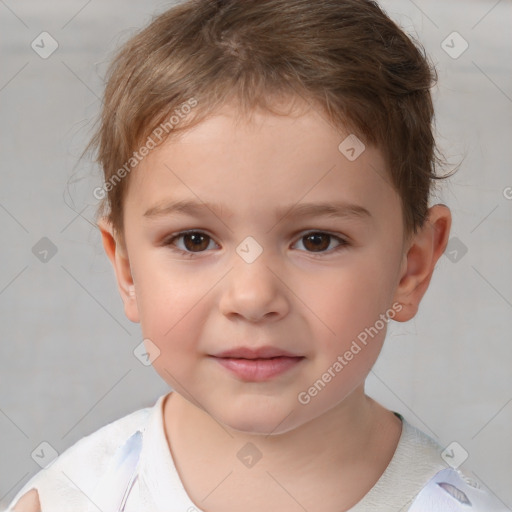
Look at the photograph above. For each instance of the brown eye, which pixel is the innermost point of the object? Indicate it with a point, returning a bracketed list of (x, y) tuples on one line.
[(192, 242), (318, 242)]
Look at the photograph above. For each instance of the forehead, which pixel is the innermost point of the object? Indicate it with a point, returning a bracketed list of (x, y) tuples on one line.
[(261, 163)]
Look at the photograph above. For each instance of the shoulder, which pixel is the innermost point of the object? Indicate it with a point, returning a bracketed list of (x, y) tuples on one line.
[(452, 491), (79, 468), (99, 446), (444, 489)]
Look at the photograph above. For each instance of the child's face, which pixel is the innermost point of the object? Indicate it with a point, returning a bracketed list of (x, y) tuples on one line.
[(307, 296)]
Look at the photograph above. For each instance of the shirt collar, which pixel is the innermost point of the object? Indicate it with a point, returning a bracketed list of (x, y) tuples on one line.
[(160, 487)]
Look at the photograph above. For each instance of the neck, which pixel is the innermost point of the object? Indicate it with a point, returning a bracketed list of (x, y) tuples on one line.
[(339, 456), (344, 435)]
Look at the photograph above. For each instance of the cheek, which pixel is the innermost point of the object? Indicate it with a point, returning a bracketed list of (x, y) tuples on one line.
[(349, 299), (172, 306), (172, 317), (349, 305)]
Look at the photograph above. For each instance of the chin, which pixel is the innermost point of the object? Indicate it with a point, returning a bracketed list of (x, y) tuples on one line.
[(253, 426), (257, 420)]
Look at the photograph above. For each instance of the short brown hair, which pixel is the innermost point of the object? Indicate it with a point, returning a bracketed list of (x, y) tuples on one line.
[(345, 57)]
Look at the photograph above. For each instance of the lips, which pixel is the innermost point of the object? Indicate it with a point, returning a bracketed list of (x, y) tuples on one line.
[(258, 353), (257, 365)]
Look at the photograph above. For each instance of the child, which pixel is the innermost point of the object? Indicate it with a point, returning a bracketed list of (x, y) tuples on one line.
[(235, 137)]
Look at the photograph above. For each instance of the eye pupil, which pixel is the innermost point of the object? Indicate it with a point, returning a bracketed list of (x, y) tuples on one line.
[(197, 239), (317, 243)]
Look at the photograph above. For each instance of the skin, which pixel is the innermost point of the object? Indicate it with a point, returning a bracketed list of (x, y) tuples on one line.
[(29, 502), (310, 301)]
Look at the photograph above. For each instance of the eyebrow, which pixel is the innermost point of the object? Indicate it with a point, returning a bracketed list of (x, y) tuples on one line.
[(328, 209)]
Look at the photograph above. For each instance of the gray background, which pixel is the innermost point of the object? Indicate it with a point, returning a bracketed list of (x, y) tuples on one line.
[(66, 357)]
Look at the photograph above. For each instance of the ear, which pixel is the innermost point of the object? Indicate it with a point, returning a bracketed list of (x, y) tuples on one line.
[(118, 256), (425, 248)]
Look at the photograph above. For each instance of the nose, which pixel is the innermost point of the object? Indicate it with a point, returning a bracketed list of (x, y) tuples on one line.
[(254, 291)]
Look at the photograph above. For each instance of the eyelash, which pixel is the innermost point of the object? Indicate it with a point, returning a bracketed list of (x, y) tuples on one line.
[(170, 242)]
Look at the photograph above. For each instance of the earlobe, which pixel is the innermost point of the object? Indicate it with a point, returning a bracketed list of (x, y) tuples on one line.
[(118, 256), (425, 249)]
